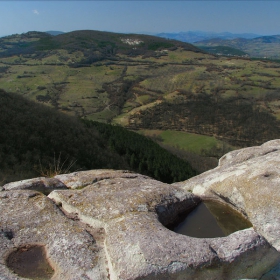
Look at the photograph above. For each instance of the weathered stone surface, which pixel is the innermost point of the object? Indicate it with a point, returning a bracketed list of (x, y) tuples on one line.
[(138, 246), (30, 218), (112, 224), (249, 179), (84, 178), (41, 184), (242, 155), (108, 199), (154, 252)]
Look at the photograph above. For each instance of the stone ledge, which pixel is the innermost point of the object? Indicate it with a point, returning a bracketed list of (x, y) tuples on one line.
[(41, 184), (82, 179)]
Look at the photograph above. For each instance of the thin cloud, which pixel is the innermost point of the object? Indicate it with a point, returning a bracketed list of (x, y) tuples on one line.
[(36, 12)]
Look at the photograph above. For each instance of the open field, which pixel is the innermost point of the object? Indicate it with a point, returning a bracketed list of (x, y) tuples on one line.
[(80, 90), (201, 151), (182, 140)]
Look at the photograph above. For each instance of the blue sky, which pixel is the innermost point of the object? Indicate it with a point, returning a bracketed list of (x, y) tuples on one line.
[(260, 17)]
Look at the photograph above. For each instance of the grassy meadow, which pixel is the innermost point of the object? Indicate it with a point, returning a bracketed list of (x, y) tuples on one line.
[(190, 142)]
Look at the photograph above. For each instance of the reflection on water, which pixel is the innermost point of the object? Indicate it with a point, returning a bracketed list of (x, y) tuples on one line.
[(211, 219)]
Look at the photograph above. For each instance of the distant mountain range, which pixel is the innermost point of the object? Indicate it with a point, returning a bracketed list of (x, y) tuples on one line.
[(240, 42), (188, 36), (195, 36), (265, 46), (226, 43), (102, 44)]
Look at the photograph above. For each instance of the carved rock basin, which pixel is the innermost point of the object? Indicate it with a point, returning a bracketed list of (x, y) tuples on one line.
[(211, 219), (30, 262), (114, 226)]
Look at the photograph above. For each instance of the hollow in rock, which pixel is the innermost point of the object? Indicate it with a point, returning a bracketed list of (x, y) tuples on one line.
[(30, 261), (211, 219)]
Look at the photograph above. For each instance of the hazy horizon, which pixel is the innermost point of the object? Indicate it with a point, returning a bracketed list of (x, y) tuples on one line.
[(143, 32), (258, 17)]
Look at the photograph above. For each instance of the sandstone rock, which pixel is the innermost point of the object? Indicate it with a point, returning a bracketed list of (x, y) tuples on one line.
[(112, 223), (137, 244), (108, 199), (84, 178), (30, 218), (154, 252), (242, 155), (248, 179), (41, 184)]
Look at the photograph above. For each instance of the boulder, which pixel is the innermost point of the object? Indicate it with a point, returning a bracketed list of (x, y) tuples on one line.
[(248, 180), (107, 224), (139, 246)]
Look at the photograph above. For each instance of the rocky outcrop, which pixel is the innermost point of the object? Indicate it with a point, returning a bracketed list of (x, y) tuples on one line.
[(105, 224), (249, 180), (31, 218)]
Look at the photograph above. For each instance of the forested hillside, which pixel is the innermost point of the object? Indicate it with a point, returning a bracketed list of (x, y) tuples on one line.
[(33, 138), (145, 83), (95, 45)]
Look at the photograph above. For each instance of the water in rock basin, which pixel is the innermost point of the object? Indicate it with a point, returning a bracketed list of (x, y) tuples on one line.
[(30, 262), (211, 219)]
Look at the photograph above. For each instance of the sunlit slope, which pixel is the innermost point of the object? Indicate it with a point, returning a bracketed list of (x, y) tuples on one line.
[(39, 141), (141, 81)]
